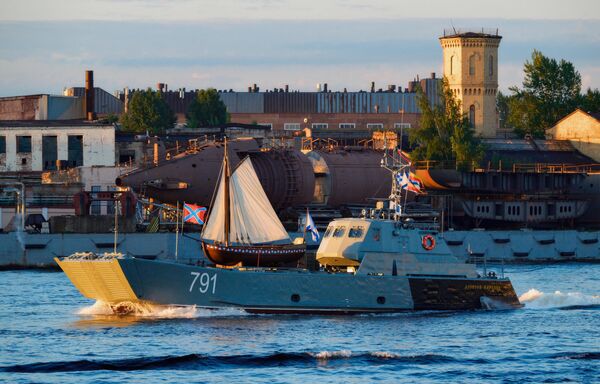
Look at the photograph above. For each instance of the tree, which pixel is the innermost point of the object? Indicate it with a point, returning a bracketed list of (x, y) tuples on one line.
[(444, 132), (590, 101), (207, 110), (551, 90), (147, 111)]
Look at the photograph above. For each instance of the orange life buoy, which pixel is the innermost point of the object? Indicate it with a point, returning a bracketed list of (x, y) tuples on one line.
[(428, 242)]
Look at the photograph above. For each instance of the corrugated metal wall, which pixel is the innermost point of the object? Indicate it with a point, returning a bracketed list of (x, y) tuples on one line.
[(243, 102), (104, 102), (366, 102), (64, 108), (290, 102)]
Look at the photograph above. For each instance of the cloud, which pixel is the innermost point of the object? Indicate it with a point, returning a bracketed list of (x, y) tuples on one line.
[(40, 57)]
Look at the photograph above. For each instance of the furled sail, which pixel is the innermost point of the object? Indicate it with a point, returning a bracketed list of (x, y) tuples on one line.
[(252, 218)]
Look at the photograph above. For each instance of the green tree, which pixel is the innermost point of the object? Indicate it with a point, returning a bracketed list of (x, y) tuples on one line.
[(444, 132), (590, 101), (551, 90), (207, 110), (147, 111)]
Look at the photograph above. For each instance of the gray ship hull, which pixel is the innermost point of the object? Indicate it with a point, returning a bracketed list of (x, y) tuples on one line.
[(299, 291)]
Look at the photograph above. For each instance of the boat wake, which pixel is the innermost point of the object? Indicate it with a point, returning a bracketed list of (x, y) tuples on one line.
[(569, 300), (150, 311)]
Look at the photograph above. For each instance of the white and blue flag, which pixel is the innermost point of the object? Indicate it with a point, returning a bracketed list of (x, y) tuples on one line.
[(311, 227)]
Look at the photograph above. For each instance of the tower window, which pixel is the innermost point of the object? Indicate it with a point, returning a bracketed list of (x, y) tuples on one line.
[(452, 65), (472, 115), (491, 65), (472, 65)]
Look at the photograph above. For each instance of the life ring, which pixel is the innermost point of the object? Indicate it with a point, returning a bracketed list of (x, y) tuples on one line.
[(428, 242)]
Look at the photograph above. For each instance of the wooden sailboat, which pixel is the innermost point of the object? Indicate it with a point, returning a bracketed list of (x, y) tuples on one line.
[(242, 226)]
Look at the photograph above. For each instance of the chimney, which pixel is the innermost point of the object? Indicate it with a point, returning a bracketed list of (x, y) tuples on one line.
[(325, 87), (433, 75), (89, 96), (160, 87), (287, 88), (372, 86), (126, 99)]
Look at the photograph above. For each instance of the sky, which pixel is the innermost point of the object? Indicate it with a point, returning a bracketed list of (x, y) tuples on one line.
[(231, 44)]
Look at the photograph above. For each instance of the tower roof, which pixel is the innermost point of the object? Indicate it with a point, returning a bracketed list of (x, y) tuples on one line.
[(480, 33)]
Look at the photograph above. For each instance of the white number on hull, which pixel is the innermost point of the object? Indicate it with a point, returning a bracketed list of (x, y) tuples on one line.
[(205, 282)]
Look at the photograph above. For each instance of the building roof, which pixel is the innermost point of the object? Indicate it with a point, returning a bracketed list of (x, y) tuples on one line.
[(482, 33), (595, 115), (51, 123)]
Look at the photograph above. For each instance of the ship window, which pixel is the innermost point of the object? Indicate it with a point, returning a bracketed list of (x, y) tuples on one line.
[(339, 232), (2, 144), (356, 231), (381, 300), (295, 298), (328, 232)]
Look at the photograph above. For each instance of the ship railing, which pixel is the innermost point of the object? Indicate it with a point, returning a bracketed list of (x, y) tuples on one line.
[(515, 168)]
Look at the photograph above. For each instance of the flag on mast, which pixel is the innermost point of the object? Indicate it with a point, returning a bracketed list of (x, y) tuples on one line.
[(311, 227), (193, 213)]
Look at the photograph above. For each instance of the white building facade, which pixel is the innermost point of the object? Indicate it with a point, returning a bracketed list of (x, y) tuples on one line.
[(30, 146)]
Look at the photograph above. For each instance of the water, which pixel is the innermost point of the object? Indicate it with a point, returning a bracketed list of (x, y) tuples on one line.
[(50, 333)]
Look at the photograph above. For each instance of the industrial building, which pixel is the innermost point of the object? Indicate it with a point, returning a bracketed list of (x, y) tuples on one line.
[(335, 114)]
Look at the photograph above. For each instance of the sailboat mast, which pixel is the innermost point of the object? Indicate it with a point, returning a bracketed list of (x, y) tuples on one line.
[(226, 175)]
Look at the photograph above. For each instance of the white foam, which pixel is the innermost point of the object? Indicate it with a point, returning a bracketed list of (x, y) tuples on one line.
[(325, 355), (145, 310), (384, 355), (537, 299)]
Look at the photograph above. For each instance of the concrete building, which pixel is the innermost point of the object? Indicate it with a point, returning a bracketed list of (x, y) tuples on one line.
[(582, 129), (471, 67), (27, 146)]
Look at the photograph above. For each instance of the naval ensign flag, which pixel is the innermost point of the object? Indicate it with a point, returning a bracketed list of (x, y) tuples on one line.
[(310, 227)]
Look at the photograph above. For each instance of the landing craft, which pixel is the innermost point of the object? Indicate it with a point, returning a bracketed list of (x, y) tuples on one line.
[(381, 262)]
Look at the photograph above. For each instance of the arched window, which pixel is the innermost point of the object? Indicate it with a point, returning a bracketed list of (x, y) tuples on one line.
[(452, 65), (472, 65), (491, 66), (472, 115)]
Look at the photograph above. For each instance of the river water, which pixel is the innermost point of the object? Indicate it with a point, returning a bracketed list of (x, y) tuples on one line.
[(50, 333)]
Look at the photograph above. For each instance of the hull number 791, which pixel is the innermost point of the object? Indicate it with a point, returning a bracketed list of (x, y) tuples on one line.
[(205, 282)]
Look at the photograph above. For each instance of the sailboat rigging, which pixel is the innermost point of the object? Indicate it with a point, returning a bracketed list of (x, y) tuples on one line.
[(242, 226)]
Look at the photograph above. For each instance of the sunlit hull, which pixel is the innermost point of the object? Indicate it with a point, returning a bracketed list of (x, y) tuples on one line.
[(259, 290)]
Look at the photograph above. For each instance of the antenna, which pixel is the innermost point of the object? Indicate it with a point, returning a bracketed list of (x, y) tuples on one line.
[(452, 24)]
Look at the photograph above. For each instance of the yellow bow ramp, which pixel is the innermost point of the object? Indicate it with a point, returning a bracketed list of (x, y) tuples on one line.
[(100, 279)]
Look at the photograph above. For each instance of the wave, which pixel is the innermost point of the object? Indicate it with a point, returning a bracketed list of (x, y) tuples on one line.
[(151, 311), (540, 300), (578, 356), (195, 361)]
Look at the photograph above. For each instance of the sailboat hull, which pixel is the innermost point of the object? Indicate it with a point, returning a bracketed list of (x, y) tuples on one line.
[(258, 255)]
